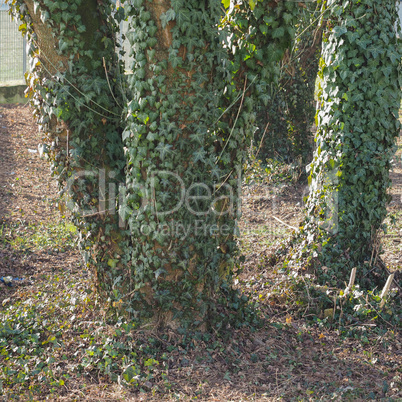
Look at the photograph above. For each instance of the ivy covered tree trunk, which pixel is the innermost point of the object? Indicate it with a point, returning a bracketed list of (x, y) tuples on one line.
[(188, 125), (154, 168), (75, 85), (298, 84), (183, 162), (355, 142)]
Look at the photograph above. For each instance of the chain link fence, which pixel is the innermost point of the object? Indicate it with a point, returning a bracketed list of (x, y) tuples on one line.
[(13, 55), (399, 5), (13, 48)]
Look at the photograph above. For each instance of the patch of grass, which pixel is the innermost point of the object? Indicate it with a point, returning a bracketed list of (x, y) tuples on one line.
[(274, 231), (272, 171), (391, 240), (56, 237), (56, 338), (36, 331), (264, 235), (394, 222), (57, 334)]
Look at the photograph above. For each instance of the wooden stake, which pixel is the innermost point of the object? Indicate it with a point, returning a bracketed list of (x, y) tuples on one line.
[(351, 281), (386, 289)]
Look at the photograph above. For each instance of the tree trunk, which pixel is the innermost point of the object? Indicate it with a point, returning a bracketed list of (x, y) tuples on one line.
[(357, 127), (183, 174), (75, 84), (172, 249)]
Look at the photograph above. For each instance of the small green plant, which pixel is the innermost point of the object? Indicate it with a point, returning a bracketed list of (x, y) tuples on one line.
[(272, 171), (52, 237)]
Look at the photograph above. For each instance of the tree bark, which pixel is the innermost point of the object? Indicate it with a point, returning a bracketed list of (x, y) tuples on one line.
[(357, 127), (177, 187), (74, 84)]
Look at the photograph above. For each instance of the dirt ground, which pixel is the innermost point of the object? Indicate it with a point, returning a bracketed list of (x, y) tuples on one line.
[(28, 194), (289, 362)]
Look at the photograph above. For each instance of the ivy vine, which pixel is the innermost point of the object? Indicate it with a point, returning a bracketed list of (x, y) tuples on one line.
[(169, 139), (357, 127)]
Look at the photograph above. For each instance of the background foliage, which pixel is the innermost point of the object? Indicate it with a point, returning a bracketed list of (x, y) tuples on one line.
[(285, 121)]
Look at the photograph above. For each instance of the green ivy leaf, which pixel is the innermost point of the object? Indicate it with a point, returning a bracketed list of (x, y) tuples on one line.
[(339, 31), (168, 16), (278, 32), (183, 17)]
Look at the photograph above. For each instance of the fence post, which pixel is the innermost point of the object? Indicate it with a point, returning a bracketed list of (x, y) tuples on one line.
[(24, 56)]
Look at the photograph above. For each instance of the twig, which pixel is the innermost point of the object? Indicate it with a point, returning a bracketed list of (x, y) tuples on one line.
[(234, 124), (351, 281), (262, 139), (284, 223), (108, 83)]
